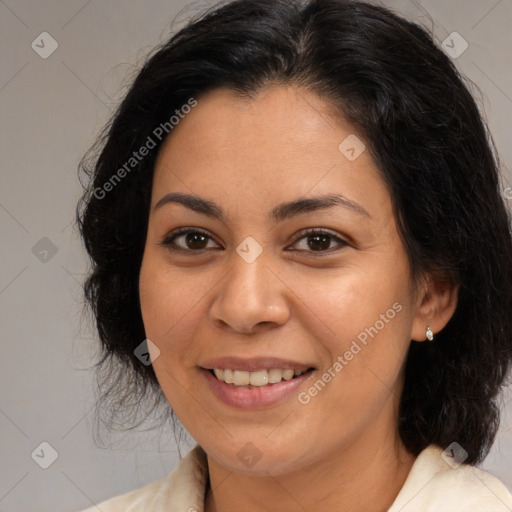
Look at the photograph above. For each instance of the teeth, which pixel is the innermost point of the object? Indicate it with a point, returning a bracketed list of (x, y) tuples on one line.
[(275, 375), (240, 378), (288, 374), (258, 378)]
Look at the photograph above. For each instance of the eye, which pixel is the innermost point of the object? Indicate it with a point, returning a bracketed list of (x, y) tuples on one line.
[(320, 241), (194, 240)]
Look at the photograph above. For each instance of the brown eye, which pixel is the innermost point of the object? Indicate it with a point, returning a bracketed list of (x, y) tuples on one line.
[(195, 240), (191, 240), (320, 241)]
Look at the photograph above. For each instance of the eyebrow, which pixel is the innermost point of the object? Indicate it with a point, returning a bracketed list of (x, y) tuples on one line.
[(278, 214)]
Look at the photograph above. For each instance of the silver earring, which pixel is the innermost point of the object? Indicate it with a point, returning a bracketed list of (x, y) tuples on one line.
[(430, 334)]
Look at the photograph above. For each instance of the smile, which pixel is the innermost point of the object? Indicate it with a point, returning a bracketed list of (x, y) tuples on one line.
[(259, 378), (256, 389)]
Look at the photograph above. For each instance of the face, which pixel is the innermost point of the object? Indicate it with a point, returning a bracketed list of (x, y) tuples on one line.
[(236, 280)]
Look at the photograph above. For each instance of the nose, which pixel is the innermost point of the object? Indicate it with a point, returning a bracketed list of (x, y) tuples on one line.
[(251, 298)]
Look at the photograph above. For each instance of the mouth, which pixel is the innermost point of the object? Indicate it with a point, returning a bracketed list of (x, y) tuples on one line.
[(255, 383), (257, 379)]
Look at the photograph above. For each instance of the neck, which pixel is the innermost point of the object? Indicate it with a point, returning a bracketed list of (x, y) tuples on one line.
[(363, 476)]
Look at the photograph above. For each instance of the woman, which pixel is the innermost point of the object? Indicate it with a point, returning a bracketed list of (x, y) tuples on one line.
[(299, 242)]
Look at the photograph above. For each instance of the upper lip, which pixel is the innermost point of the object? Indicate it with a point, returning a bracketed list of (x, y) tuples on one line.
[(254, 364)]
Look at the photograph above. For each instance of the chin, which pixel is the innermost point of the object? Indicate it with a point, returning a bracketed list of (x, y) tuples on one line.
[(259, 458)]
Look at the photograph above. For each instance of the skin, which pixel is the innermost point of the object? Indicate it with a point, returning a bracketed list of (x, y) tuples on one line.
[(341, 449)]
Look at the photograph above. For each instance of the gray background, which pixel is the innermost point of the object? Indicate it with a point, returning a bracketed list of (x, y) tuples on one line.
[(50, 111)]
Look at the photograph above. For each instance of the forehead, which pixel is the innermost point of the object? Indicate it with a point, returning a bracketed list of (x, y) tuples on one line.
[(282, 144)]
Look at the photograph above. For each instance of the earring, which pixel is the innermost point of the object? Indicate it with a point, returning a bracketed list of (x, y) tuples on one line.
[(430, 334)]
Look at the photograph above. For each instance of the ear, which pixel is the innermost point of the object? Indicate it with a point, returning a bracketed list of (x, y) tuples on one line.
[(435, 305)]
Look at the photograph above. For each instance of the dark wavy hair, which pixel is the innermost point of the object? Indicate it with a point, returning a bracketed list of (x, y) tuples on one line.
[(423, 128)]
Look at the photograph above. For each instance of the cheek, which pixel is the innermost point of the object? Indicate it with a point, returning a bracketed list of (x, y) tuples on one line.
[(164, 301), (174, 305), (365, 318), (165, 308), (344, 305)]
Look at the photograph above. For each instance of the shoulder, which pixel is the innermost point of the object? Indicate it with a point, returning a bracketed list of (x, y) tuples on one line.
[(433, 485), (182, 490)]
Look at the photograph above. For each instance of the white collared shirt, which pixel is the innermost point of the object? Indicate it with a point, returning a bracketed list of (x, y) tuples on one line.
[(431, 486)]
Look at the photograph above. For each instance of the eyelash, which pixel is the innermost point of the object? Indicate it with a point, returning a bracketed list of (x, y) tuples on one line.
[(168, 240)]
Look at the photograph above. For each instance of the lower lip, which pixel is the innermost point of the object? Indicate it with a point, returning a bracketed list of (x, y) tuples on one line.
[(257, 397)]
